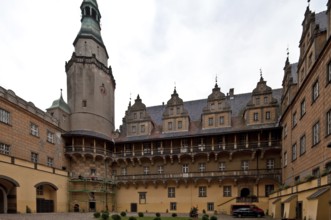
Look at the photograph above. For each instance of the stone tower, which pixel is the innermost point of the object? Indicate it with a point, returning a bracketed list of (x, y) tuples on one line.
[(90, 82)]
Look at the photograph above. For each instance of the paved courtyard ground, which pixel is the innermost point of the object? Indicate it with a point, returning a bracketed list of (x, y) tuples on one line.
[(82, 216)]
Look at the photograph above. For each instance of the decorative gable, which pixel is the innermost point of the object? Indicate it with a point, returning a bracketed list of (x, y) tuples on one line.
[(175, 118), (217, 113)]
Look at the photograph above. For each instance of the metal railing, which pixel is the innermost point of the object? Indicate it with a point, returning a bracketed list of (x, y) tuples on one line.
[(272, 173)]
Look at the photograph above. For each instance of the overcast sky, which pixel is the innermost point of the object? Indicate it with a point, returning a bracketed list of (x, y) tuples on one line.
[(153, 46)]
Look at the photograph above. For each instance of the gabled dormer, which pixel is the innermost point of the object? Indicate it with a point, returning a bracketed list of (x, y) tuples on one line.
[(137, 120), (175, 118), (263, 107), (217, 113), (313, 38)]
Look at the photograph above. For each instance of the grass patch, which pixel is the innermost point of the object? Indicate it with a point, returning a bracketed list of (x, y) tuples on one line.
[(153, 217)]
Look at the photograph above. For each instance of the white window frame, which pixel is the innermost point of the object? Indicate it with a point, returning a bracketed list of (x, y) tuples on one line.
[(4, 116), (227, 191), (34, 129), (185, 168), (302, 144), (202, 167), (50, 162), (34, 157), (50, 137), (316, 133), (270, 164), (4, 149), (171, 192), (202, 191)]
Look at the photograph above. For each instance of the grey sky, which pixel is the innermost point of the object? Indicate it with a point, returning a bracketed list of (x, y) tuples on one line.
[(153, 45)]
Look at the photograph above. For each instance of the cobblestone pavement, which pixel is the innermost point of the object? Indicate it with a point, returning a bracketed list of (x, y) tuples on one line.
[(84, 216)]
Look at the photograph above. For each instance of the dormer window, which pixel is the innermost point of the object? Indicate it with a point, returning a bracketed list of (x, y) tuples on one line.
[(212, 106), (135, 115), (178, 110), (257, 101), (266, 100)]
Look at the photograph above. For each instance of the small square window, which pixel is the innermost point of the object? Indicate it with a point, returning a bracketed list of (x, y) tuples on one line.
[(171, 192), (84, 103), (202, 191), (173, 206), (4, 149), (4, 116), (315, 91), (34, 130), (256, 116), (227, 191), (50, 137), (50, 162), (34, 157)]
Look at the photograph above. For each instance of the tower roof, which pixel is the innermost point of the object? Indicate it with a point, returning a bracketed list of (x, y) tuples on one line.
[(61, 104), (90, 22)]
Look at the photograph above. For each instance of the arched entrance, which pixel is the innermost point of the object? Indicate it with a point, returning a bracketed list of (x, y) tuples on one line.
[(244, 192), (8, 201), (46, 197)]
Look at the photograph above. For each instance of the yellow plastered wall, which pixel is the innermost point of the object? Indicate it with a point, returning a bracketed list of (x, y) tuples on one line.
[(28, 178)]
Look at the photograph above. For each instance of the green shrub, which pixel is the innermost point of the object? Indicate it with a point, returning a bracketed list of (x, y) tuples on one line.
[(213, 217), (158, 214), (174, 215), (205, 217), (132, 218), (140, 214), (116, 217), (123, 214), (96, 215), (105, 215), (194, 212), (157, 218)]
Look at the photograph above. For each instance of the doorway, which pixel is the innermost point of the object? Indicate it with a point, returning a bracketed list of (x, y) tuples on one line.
[(134, 207)]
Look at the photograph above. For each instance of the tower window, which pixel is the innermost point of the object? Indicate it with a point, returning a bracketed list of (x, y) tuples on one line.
[(84, 103)]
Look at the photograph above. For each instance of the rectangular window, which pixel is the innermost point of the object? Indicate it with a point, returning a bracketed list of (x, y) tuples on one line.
[(212, 106), (34, 130), (93, 172), (124, 171), (146, 170), (328, 122), (133, 129), (4, 149), (285, 130), (173, 206), (294, 119), (202, 167), (185, 168), (142, 197), (180, 124), (329, 73), (34, 157), (40, 190), (227, 191), (210, 206), (50, 162), (316, 172), (270, 164), (315, 91), (221, 120), (135, 115), (267, 115), (141, 115), (303, 108), (84, 103), (178, 110), (303, 144), (316, 134), (222, 166), (256, 116), (210, 121), (285, 159), (202, 191), (266, 100), (171, 192), (160, 169), (294, 152), (142, 128), (50, 137), (4, 116), (244, 165), (170, 125), (269, 189), (257, 101)]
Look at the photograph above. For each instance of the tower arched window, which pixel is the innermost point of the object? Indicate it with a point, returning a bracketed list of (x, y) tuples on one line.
[(94, 14), (87, 11)]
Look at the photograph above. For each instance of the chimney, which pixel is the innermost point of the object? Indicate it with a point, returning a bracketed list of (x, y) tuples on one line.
[(231, 93)]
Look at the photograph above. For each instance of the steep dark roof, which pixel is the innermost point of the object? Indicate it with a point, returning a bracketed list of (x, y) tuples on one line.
[(321, 20), (195, 109)]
